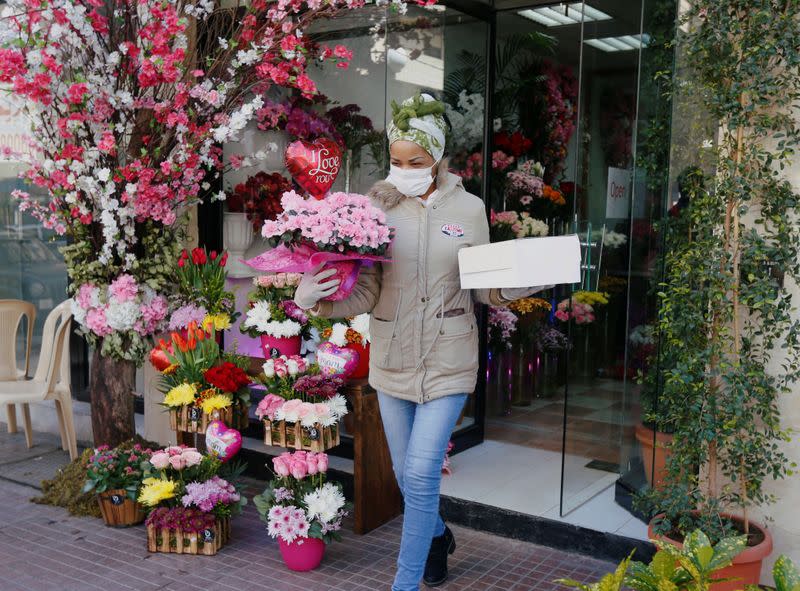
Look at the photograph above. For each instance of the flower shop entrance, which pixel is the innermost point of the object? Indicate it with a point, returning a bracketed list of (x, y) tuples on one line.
[(559, 395), (550, 83)]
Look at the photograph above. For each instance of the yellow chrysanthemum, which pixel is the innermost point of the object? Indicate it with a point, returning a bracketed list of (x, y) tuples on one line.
[(592, 298), (155, 490), (215, 402), (181, 395), (218, 322), (528, 305)]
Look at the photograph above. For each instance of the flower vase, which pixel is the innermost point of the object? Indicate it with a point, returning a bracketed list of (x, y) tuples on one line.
[(302, 555), (546, 367), (274, 347), (522, 387), (237, 233)]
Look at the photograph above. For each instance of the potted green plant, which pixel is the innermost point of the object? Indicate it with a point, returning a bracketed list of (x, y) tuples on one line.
[(724, 311), (115, 476)]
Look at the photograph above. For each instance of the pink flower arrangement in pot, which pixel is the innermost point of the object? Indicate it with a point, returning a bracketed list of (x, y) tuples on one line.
[(301, 509), (343, 231)]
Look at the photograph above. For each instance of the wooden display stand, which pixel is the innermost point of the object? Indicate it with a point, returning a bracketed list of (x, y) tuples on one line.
[(377, 497)]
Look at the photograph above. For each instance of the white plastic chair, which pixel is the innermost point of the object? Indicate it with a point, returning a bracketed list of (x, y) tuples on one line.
[(51, 380), (11, 314)]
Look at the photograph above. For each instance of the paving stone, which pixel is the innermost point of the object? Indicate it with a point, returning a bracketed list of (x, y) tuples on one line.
[(44, 549)]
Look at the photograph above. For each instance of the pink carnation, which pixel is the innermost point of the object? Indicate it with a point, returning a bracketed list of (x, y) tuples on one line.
[(123, 288), (97, 323)]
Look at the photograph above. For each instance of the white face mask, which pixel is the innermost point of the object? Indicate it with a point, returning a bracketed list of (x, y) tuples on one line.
[(411, 182)]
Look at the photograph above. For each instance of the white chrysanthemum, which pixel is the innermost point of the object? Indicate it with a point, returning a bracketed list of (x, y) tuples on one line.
[(290, 416), (338, 406), (122, 315), (78, 313), (283, 329), (311, 419), (360, 324), (338, 334), (324, 503), (258, 317)]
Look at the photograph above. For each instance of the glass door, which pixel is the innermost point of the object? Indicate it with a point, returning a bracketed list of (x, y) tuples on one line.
[(598, 411)]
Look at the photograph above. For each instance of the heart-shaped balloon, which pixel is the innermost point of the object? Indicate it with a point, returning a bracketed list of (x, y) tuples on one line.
[(336, 361), (223, 441), (314, 165)]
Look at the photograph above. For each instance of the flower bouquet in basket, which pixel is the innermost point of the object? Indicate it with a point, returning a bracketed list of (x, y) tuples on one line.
[(189, 502), (303, 413), (115, 476), (273, 315), (301, 509), (345, 351), (202, 297), (200, 383), (343, 231)]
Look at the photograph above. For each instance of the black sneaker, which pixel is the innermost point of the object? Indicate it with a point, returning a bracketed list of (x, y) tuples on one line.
[(436, 566)]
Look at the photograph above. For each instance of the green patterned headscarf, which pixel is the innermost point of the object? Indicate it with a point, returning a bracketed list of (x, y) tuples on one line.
[(420, 120)]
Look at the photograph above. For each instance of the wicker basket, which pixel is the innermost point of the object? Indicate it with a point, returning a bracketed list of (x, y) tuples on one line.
[(118, 510), (207, 542), (295, 436), (192, 419)]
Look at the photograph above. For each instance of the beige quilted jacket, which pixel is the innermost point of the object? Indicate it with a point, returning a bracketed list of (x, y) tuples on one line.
[(422, 324)]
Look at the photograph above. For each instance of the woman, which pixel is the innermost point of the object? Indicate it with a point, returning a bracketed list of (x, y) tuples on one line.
[(424, 338)]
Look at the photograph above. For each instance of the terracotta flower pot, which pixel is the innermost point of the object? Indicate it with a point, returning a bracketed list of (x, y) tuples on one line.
[(746, 567), (304, 554), (362, 368), (655, 459), (118, 510), (274, 347)]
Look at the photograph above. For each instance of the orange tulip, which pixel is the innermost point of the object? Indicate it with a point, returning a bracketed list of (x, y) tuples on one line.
[(180, 342), (192, 342)]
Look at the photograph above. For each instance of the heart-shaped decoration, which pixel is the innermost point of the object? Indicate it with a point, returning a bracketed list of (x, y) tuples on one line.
[(314, 165), (223, 441), (336, 361)]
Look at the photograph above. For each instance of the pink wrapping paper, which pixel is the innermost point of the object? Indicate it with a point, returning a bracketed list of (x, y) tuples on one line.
[(302, 258)]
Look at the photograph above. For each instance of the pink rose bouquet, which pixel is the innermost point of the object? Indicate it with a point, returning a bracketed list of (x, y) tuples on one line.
[(344, 230), (298, 503)]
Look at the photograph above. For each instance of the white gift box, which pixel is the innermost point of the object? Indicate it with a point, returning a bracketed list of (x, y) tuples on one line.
[(526, 262)]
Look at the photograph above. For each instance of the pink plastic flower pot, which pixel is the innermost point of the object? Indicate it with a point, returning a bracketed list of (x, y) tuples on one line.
[(347, 274), (273, 347), (304, 554)]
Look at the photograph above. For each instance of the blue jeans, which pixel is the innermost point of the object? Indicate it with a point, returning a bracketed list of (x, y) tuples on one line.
[(418, 435)]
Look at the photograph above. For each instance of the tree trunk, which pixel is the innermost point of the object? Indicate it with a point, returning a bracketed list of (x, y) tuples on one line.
[(111, 386)]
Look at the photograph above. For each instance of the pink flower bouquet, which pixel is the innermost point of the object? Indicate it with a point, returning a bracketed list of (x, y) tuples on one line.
[(580, 312), (343, 231)]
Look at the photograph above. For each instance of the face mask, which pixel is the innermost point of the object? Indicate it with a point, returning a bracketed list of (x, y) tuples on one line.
[(411, 182)]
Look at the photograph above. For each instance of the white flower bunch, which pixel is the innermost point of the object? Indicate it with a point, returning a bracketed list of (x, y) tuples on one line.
[(642, 335), (614, 239), (324, 503), (530, 226), (467, 121)]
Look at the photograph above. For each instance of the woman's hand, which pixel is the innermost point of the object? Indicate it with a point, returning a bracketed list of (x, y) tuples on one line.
[(313, 287), (517, 293)]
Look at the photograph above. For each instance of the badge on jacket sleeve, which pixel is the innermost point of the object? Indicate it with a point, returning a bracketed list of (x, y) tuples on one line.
[(454, 230)]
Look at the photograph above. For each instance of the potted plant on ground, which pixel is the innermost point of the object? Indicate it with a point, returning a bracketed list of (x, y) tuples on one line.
[(115, 476), (724, 308), (274, 317), (201, 383), (301, 509), (190, 504)]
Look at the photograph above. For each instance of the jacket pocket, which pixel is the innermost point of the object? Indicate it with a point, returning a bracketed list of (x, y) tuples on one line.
[(384, 350), (456, 349)]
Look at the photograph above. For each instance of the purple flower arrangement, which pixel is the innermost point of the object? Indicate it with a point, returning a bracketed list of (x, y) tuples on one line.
[(210, 495), (318, 387), (185, 519)]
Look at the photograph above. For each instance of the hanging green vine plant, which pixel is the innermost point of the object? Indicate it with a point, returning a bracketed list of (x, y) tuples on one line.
[(725, 307)]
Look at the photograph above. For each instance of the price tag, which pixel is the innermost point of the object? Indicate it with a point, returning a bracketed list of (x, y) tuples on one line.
[(117, 499), (208, 535), (274, 353), (313, 433), (195, 414)]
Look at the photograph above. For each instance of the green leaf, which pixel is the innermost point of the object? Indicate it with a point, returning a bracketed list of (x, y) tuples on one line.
[(786, 575), (726, 550)]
